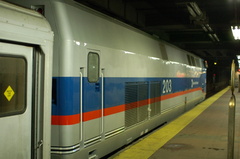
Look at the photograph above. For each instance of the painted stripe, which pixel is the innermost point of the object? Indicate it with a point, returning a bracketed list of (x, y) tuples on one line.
[(137, 104), (156, 99), (114, 110), (162, 136), (65, 119), (66, 92), (91, 115), (75, 119), (168, 96)]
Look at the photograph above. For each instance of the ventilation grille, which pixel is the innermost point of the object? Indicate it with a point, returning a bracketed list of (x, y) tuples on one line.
[(143, 101), (131, 96), (155, 105), (136, 99)]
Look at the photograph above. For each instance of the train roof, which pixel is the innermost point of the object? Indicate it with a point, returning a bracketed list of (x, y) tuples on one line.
[(18, 23), (78, 22)]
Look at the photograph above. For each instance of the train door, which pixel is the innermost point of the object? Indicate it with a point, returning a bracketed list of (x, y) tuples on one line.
[(93, 99), (16, 72)]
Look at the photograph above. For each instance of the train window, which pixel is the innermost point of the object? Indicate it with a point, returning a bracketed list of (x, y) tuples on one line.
[(197, 62), (12, 85), (93, 67), (189, 59), (163, 51), (193, 61)]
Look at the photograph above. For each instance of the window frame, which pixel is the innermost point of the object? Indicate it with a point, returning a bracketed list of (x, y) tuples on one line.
[(25, 75), (88, 68), (189, 60)]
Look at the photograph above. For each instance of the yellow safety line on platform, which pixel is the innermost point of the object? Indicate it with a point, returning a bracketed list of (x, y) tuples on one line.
[(145, 148)]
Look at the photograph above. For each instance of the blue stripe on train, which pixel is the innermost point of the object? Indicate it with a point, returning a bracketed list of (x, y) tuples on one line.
[(66, 96)]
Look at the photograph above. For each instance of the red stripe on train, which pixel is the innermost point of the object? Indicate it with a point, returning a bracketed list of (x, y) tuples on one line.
[(75, 119), (65, 119), (164, 97)]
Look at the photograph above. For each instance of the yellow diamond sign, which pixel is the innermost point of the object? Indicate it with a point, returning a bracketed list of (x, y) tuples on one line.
[(9, 93)]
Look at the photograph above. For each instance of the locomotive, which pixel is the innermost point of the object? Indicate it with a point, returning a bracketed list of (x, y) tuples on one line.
[(111, 82)]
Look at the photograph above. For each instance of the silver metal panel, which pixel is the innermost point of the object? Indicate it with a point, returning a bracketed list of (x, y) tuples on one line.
[(16, 129), (69, 135), (118, 119), (91, 129)]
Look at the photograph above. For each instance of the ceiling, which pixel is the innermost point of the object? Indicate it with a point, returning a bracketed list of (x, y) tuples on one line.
[(202, 27)]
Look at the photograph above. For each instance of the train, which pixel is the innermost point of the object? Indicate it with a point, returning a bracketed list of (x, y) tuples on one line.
[(111, 83), (26, 50)]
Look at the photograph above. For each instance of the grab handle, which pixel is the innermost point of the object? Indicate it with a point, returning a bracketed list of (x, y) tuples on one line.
[(81, 103), (102, 100)]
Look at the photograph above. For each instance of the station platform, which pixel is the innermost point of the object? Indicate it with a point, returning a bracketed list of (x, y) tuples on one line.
[(201, 133)]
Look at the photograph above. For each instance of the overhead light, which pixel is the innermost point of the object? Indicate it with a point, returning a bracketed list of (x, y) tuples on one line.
[(193, 9), (236, 32), (216, 37), (211, 36), (204, 28), (196, 8), (209, 28), (238, 57), (200, 18)]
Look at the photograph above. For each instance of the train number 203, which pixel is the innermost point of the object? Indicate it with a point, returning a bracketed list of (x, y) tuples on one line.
[(167, 86)]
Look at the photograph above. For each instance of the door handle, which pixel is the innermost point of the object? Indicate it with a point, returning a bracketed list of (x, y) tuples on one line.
[(39, 144)]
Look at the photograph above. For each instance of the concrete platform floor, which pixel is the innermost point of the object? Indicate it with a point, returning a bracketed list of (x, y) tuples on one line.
[(203, 137)]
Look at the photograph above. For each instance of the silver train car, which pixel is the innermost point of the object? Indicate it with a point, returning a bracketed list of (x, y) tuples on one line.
[(111, 82), (26, 49)]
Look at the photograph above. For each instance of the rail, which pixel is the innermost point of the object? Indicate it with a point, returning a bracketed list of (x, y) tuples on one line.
[(102, 101), (81, 103)]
